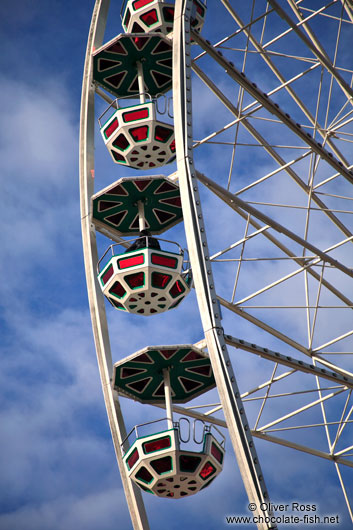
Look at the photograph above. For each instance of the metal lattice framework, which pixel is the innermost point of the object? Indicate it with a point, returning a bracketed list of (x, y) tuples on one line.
[(274, 159)]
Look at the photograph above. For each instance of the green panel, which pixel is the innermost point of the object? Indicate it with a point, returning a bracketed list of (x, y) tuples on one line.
[(114, 64), (161, 200), (153, 390)]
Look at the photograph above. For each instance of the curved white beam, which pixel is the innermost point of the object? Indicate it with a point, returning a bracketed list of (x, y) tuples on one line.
[(95, 296)]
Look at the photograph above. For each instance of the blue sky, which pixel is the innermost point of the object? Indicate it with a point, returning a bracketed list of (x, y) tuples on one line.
[(57, 462)]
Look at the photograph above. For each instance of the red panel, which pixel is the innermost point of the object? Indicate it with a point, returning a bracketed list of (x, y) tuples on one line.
[(117, 157), (106, 205), (144, 475), (136, 28), (160, 390), (192, 356), (116, 218), (108, 274), (177, 289), (150, 17), (207, 470), (143, 358), (133, 458), (139, 386), (160, 79), (189, 463), (217, 453), (124, 263), (117, 47), (163, 216), (105, 64), (160, 280), (140, 3), (166, 186), (117, 289), (173, 201), (161, 47), (202, 370), (165, 261), (140, 42), (167, 354), (139, 133), (142, 184), (111, 128), (121, 142), (157, 445), (162, 134), (118, 190), (133, 115), (162, 465), (172, 146), (117, 304), (135, 280), (189, 384), (116, 79), (168, 13), (129, 372)]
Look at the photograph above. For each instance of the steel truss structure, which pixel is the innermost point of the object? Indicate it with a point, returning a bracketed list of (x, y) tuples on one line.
[(269, 136)]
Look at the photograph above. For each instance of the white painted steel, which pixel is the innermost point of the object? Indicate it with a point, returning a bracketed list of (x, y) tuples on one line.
[(95, 296), (141, 210), (141, 82), (168, 398)]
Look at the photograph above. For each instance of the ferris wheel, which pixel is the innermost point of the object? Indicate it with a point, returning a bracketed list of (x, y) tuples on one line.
[(259, 134)]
